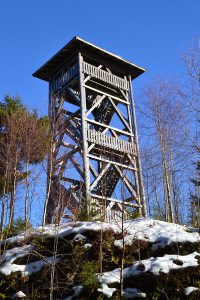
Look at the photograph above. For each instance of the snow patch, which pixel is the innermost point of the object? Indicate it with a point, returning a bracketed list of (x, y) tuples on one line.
[(8, 266), (87, 246), (159, 233), (18, 295), (155, 265), (130, 293), (108, 292), (187, 291), (77, 290), (79, 237)]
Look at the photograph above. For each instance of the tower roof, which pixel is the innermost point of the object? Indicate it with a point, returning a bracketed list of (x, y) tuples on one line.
[(76, 45)]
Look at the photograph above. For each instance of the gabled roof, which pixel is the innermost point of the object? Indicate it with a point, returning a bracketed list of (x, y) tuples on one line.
[(76, 45)]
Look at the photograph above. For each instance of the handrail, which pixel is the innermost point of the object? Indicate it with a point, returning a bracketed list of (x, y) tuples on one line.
[(110, 142), (105, 76)]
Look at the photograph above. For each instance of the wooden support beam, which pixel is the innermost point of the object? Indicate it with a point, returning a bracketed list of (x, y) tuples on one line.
[(139, 175), (73, 181), (68, 145), (112, 162), (95, 105), (114, 133), (74, 96), (86, 168), (66, 112), (109, 127), (114, 200), (120, 115), (109, 95), (57, 145), (124, 95), (132, 160), (59, 109), (66, 155), (75, 138), (127, 183), (77, 166), (76, 113), (96, 181), (94, 172)]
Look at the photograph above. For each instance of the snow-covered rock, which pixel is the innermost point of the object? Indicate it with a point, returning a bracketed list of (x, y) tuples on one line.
[(189, 290), (159, 233), (18, 295)]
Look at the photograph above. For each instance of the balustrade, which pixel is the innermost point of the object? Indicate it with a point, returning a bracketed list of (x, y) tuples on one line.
[(99, 138), (105, 76)]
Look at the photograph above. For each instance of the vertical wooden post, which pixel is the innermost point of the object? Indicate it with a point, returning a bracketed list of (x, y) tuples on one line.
[(141, 186), (47, 212), (84, 136)]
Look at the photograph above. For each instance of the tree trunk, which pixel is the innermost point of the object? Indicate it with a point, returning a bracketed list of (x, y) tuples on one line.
[(3, 202), (26, 197)]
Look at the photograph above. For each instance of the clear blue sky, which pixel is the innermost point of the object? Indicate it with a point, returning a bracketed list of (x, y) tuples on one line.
[(150, 33)]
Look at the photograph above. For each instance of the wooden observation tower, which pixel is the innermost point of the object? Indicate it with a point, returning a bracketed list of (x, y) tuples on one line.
[(95, 161)]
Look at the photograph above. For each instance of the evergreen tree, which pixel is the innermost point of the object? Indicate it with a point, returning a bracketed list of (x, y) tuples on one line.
[(24, 141)]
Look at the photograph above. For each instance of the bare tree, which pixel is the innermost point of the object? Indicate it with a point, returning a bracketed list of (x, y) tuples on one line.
[(163, 116), (190, 92)]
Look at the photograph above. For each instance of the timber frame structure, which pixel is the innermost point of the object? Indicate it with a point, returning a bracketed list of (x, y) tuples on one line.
[(95, 153)]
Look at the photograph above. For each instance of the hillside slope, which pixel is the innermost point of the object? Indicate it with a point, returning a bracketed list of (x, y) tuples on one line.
[(161, 261)]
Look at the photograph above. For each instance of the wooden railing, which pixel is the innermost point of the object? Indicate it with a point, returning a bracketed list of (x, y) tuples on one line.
[(108, 214), (105, 76), (104, 140), (64, 77)]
